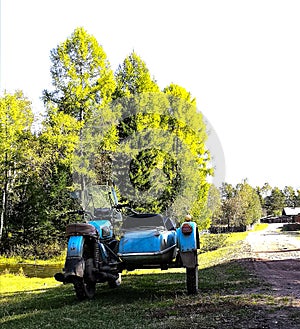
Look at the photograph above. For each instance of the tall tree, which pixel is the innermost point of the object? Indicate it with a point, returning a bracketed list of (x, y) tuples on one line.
[(275, 202), (298, 199), (81, 76), (251, 206), (241, 205), (231, 205), (137, 94), (84, 84), (290, 196), (133, 77), (57, 142), (41, 195), (16, 119), (169, 161), (214, 204), (188, 126), (262, 193)]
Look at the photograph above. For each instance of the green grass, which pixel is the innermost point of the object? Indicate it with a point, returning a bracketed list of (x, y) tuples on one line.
[(240, 236), (12, 283), (260, 226), (230, 296), (231, 244), (142, 301), (147, 301), (17, 260)]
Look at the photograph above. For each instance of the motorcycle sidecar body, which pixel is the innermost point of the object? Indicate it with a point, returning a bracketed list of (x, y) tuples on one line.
[(147, 240)]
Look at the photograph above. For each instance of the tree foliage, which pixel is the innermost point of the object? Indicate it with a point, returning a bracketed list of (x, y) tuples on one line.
[(133, 77), (241, 205), (16, 119), (104, 126), (275, 202), (214, 205), (81, 76), (164, 136)]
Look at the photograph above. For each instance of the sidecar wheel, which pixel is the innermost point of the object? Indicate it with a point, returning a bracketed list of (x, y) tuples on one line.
[(84, 289)]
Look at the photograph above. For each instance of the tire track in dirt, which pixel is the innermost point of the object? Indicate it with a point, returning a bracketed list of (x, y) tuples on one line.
[(276, 258)]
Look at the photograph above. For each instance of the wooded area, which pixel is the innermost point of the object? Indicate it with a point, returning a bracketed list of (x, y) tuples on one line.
[(95, 120)]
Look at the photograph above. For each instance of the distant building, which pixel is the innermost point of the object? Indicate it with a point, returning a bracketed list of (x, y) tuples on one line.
[(292, 213)]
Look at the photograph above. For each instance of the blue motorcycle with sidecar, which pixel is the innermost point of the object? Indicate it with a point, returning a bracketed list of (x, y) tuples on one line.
[(109, 242)]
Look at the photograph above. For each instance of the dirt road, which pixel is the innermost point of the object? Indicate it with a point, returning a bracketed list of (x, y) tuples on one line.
[(276, 258)]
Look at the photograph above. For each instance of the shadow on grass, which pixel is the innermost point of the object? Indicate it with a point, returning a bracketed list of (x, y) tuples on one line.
[(147, 301)]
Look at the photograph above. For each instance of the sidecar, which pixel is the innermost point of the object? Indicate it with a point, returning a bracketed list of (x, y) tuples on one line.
[(153, 241), (147, 240)]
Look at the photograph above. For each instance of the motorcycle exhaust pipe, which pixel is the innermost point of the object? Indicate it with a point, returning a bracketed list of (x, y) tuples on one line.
[(59, 277), (105, 276), (66, 278)]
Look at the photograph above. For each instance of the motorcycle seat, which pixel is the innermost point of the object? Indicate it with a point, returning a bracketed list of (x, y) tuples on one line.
[(80, 229)]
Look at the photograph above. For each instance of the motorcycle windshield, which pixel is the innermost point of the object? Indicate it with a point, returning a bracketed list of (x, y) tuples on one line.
[(98, 198)]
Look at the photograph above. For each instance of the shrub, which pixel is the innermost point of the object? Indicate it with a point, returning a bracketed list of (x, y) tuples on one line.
[(43, 251), (210, 242), (291, 227)]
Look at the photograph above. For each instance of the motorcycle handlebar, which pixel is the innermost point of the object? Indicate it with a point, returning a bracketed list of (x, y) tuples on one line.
[(74, 212), (127, 207)]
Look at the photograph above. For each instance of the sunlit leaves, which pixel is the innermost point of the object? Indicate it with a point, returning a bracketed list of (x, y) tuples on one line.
[(81, 76), (240, 205), (16, 119)]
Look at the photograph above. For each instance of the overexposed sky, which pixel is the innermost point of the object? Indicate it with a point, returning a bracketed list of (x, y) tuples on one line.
[(239, 58)]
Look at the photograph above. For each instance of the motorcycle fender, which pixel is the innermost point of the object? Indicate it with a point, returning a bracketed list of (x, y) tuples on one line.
[(75, 263), (75, 246), (189, 259), (188, 241)]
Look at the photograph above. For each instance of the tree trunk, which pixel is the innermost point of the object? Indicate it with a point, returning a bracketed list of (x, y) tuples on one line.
[(4, 199)]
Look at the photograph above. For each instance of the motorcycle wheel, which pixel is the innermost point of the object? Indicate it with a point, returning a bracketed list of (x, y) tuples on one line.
[(84, 289), (192, 280)]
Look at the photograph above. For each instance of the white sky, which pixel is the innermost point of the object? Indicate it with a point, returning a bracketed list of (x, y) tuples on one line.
[(239, 58)]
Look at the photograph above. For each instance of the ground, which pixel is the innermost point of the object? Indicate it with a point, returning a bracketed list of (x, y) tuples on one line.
[(266, 296), (275, 257)]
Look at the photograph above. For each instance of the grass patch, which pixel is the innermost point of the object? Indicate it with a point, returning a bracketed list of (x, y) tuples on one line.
[(12, 283), (142, 301), (19, 260), (229, 297), (260, 227), (211, 242)]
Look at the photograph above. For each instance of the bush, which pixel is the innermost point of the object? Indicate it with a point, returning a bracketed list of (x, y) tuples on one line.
[(291, 227), (43, 251), (210, 242)]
